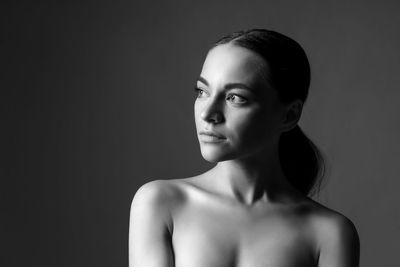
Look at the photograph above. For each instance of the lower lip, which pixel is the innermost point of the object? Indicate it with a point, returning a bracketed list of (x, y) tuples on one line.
[(210, 139)]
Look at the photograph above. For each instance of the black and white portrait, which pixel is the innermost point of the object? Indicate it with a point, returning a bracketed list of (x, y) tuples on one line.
[(199, 134)]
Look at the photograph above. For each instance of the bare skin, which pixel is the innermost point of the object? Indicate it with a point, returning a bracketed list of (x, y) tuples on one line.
[(243, 212), (232, 233), (187, 223)]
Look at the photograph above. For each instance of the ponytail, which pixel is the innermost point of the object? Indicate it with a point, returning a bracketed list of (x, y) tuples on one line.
[(302, 162)]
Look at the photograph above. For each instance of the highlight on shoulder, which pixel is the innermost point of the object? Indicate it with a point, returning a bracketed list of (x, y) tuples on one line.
[(159, 191)]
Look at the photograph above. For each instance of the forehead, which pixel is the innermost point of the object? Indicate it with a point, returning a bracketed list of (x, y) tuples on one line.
[(230, 63)]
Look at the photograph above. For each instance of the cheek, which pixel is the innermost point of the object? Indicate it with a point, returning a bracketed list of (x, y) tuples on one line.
[(253, 128)]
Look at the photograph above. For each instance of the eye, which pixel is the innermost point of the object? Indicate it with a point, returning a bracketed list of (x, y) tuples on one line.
[(199, 92), (236, 99)]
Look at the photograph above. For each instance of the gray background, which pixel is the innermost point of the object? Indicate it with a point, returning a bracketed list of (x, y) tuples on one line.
[(97, 98)]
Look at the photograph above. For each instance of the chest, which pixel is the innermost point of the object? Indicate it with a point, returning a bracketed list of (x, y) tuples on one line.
[(227, 238)]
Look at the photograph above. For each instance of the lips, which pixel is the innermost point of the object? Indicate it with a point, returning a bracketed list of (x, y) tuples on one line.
[(213, 134)]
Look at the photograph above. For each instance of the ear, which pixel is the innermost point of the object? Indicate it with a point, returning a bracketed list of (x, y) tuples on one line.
[(292, 115)]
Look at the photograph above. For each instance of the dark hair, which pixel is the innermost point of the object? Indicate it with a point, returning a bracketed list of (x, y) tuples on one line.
[(289, 73)]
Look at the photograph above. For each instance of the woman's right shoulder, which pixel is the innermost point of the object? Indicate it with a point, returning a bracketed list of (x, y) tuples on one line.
[(160, 192)]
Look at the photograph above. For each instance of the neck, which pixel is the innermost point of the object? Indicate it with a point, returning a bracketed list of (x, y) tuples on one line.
[(252, 180)]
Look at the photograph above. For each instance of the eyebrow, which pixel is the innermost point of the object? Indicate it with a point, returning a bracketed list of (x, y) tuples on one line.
[(229, 85)]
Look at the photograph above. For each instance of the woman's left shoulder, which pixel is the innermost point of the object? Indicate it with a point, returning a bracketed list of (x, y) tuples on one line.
[(333, 231), (327, 220)]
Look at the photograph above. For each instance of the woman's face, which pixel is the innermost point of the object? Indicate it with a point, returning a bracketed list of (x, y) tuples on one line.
[(236, 103)]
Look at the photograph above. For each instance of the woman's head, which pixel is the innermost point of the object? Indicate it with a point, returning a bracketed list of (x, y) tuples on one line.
[(250, 92)]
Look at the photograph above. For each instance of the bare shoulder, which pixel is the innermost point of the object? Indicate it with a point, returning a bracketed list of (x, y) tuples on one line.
[(151, 223), (159, 192), (329, 223), (154, 203), (335, 235)]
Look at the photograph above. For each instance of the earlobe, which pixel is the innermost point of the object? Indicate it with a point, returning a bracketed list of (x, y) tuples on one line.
[(292, 115)]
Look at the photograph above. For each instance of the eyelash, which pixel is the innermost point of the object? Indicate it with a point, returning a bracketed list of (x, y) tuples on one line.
[(198, 91)]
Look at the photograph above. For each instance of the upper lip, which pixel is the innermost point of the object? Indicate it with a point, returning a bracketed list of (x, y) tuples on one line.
[(212, 133)]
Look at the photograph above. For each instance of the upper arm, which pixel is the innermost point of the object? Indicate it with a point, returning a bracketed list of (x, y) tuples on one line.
[(340, 244), (149, 227)]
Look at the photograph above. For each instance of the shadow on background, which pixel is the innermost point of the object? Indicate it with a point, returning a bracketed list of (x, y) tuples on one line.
[(97, 99)]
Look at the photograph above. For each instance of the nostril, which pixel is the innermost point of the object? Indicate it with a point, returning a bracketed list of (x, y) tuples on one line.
[(212, 116)]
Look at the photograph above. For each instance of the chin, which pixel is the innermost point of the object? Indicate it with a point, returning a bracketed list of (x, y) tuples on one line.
[(214, 155)]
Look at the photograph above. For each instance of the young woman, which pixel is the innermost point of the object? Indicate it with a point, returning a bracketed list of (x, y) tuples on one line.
[(252, 209)]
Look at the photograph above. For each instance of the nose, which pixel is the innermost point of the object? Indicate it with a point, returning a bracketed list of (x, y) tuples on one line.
[(212, 112)]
